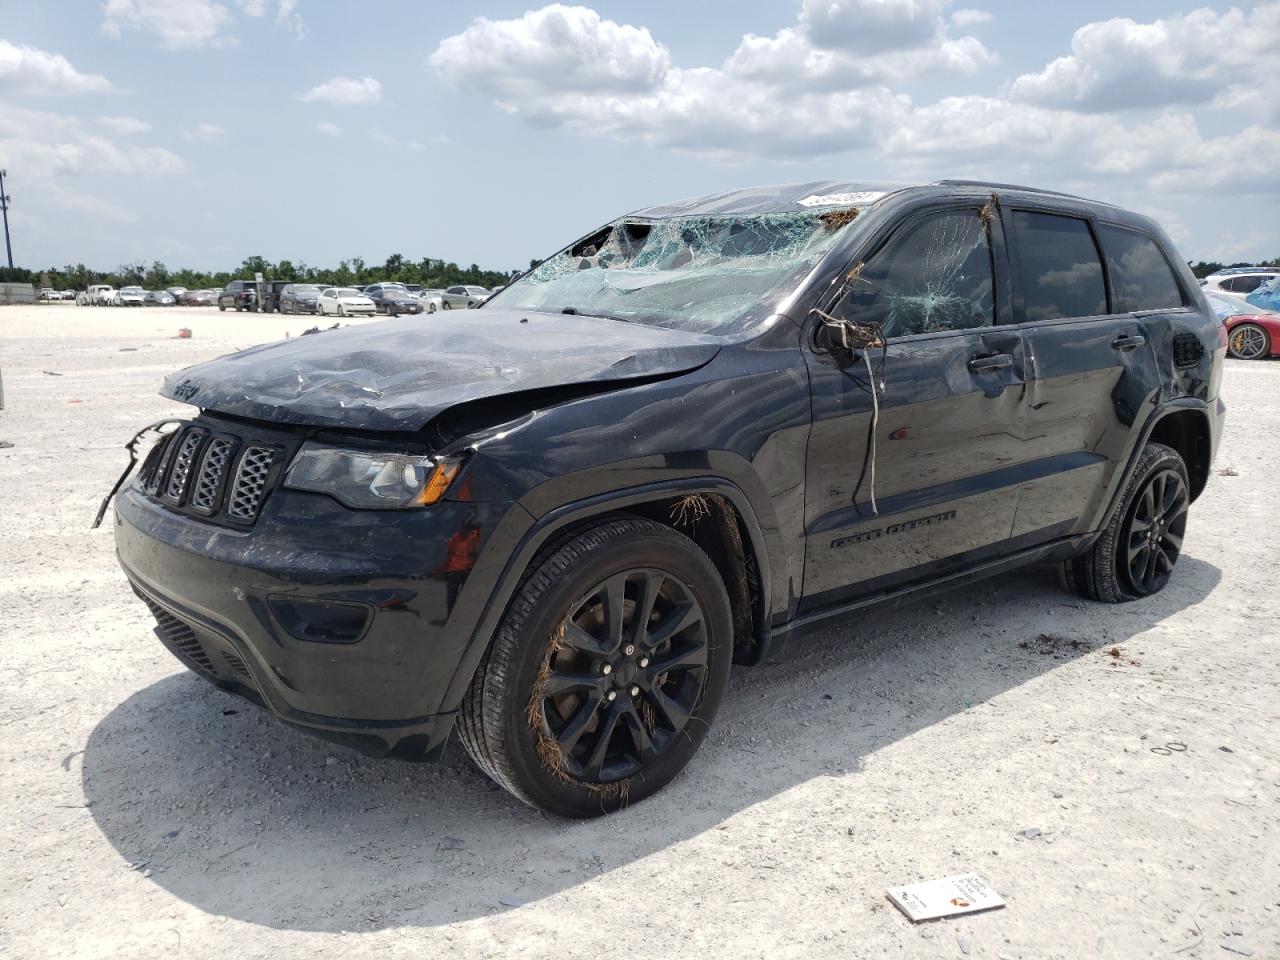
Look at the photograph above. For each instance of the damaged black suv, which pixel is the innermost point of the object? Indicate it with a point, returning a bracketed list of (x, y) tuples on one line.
[(685, 437)]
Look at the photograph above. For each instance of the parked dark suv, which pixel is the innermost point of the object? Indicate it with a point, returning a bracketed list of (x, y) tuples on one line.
[(239, 295), (692, 433)]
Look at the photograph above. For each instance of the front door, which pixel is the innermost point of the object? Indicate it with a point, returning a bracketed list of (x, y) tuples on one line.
[(944, 465)]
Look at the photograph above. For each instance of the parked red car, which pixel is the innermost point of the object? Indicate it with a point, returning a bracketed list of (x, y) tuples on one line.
[(1253, 333)]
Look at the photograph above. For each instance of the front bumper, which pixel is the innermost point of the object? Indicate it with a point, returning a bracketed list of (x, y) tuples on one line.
[(220, 598)]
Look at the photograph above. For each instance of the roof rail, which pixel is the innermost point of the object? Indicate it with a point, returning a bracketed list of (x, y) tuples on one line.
[(1014, 186)]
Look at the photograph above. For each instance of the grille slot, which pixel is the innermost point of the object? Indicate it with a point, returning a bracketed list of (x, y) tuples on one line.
[(164, 458), (250, 482), (237, 666), (183, 462), (204, 496), (180, 638)]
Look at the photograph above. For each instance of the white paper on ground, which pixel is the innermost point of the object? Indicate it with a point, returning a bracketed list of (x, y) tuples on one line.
[(965, 893)]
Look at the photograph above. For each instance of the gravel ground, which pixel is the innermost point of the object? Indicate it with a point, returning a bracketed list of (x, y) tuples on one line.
[(1008, 729)]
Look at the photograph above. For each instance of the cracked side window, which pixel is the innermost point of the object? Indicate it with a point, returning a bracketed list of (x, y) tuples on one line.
[(932, 275)]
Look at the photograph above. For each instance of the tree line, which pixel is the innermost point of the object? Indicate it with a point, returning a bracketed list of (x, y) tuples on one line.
[(428, 272)]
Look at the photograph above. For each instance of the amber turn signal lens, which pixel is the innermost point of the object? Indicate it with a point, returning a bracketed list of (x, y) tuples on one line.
[(438, 482)]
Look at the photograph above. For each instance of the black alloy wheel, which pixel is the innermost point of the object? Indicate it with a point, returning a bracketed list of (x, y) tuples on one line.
[(1156, 526), (623, 680), (1134, 555), (606, 671)]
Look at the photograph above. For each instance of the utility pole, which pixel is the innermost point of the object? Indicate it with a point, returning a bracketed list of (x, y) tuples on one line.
[(4, 209)]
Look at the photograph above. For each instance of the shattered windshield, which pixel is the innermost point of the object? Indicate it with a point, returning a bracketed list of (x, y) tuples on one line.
[(705, 274)]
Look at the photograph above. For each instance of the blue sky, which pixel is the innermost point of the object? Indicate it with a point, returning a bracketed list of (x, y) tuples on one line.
[(198, 132)]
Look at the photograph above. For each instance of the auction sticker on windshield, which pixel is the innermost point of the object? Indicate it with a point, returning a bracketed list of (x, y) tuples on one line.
[(841, 199)]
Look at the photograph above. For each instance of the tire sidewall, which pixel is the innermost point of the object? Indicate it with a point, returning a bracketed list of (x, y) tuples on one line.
[(1155, 459), (692, 568)]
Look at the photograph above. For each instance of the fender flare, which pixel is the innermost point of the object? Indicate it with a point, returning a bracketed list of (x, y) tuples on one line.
[(1161, 411), (556, 521)]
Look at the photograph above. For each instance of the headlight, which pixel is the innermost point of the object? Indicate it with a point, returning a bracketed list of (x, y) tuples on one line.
[(371, 479)]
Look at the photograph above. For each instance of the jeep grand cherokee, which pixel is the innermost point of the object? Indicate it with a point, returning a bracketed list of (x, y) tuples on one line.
[(688, 435)]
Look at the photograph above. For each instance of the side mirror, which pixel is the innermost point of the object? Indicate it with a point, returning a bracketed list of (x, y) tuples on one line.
[(835, 336)]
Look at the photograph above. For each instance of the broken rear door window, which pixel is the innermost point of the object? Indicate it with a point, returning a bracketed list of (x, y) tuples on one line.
[(934, 274)]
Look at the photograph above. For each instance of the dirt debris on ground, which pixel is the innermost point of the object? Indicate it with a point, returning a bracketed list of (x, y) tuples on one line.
[(145, 812)]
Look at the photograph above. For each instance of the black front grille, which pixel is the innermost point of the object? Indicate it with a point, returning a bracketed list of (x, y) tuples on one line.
[(212, 475)]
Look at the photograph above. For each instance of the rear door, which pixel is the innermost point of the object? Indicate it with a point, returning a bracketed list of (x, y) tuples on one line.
[(1092, 372), (948, 431)]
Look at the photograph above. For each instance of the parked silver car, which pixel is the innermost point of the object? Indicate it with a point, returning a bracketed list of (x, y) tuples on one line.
[(460, 297)]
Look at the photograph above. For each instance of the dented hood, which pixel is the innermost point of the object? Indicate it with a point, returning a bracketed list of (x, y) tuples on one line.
[(399, 374)]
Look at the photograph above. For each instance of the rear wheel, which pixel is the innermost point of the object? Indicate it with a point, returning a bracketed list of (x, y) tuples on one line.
[(606, 672), (1136, 553), (1248, 341)]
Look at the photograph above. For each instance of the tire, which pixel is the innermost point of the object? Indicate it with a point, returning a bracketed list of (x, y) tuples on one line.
[(431, 308), (1248, 341), (222, 308), (1134, 558), (341, 312), (447, 305), (506, 718)]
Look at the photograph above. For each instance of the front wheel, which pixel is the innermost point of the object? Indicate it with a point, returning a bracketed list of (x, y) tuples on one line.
[(605, 673), (1248, 341), (341, 312), (1136, 553)]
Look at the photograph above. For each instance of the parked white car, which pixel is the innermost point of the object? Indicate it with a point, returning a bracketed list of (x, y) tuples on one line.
[(463, 296), (1240, 283), (432, 300), (129, 297), (100, 294), (344, 302)]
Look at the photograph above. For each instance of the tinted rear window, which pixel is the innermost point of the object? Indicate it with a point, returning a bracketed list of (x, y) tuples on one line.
[(1140, 275), (1060, 272)]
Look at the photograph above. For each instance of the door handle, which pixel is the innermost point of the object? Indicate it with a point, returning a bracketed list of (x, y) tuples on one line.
[(1125, 344), (988, 364)]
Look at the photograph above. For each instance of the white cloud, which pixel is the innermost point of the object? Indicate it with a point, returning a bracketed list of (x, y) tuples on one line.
[(345, 91), (1184, 59), (332, 129), (971, 18), (185, 24), (49, 144), (872, 26), (178, 23), (808, 90), (203, 131), (124, 126), (29, 70), (1168, 154), (287, 16)]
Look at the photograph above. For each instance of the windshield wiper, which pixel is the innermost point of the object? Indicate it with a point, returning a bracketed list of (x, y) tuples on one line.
[(575, 312)]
